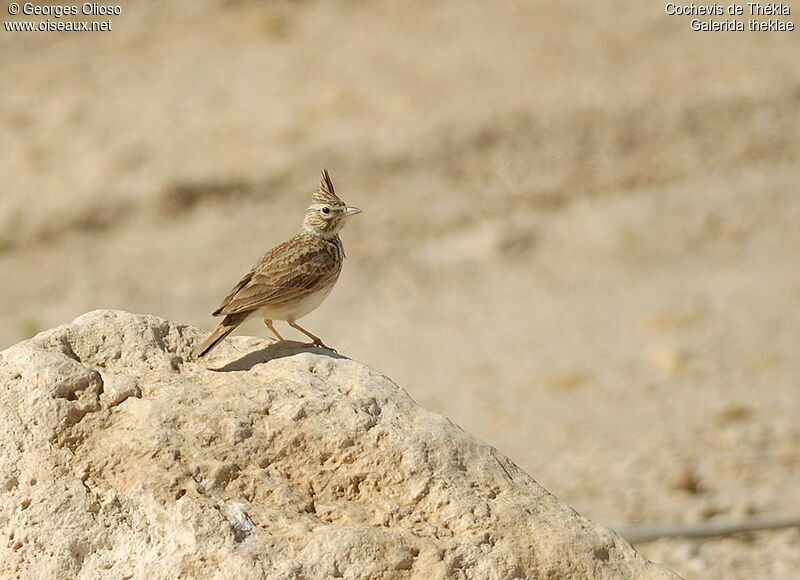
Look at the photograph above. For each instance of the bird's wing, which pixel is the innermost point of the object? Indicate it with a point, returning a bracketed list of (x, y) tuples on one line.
[(287, 272), (235, 290)]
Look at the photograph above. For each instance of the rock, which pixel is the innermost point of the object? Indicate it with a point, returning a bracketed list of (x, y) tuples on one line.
[(123, 458)]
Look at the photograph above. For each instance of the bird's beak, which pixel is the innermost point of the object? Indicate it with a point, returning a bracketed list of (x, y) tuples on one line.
[(351, 211)]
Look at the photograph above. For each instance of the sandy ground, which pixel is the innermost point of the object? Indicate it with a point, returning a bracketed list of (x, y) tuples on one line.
[(580, 235)]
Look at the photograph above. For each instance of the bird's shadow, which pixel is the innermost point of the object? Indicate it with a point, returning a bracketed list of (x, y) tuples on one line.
[(274, 351)]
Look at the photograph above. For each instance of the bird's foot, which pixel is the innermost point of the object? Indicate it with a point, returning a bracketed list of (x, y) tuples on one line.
[(319, 344)]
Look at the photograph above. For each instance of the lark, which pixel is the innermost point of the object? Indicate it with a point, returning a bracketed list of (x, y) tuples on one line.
[(293, 278)]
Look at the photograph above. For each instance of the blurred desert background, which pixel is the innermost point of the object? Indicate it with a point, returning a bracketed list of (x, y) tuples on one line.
[(580, 238)]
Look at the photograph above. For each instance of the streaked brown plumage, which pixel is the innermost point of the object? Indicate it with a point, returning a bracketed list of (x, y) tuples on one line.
[(293, 278)]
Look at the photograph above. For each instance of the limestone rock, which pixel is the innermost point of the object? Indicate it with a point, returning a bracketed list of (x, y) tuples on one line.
[(123, 458)]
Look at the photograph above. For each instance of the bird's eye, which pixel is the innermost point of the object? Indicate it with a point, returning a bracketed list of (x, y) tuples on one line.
[(326, 210)]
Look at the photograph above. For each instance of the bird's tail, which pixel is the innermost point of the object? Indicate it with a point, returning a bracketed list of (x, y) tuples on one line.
[(228, 325)]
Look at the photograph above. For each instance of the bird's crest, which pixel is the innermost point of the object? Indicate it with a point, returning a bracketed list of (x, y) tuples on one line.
[(325, 192)]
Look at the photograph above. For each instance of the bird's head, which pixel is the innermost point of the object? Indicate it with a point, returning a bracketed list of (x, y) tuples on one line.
[(327, 213)]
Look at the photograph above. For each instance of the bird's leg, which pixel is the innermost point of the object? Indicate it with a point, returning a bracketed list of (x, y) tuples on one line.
[(268, 324), (316, 341)]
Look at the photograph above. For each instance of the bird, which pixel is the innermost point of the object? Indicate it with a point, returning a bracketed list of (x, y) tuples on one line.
[(294, 277)]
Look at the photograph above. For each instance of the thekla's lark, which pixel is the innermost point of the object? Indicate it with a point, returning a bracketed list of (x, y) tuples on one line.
[(291, 279)]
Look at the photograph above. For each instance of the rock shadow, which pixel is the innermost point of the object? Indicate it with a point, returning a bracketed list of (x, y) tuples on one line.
[(274, 351)]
